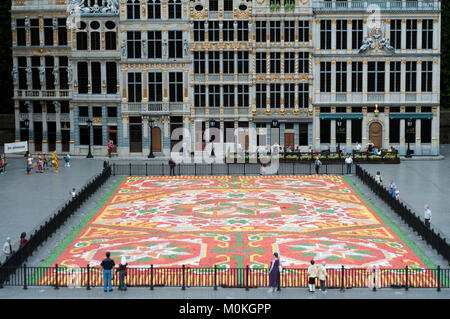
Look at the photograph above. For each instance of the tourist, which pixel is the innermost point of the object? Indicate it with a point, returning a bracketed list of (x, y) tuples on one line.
[(172, 167), (3, 164), (274, 273), (23, 239), (110, 146), (73, 193), (427, 215), (45, 162), (55, 161), (7, 248), (67, 160), (122, 270), (105, 164), (378, 178), (317, 165), (397, 194), (348, 163), (322, 276), (107, 265), (392, 188), (312, 275)]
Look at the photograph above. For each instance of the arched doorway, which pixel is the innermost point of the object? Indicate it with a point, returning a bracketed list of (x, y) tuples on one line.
[(156, 139), (376, 134)]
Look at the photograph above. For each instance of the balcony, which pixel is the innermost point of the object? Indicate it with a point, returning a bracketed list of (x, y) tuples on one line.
[(42, 94), (363, 5)]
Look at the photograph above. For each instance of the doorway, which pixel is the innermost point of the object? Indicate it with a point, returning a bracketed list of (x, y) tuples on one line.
[(376, 134), (135, 135)]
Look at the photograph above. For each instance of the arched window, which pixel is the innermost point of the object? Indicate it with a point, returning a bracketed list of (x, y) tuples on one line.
[(133, 10)]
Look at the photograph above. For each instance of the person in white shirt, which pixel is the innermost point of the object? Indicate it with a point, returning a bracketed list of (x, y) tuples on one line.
[(378, 178), (7, 248), (348, 163), (312, 275), (322, 276), (427, 215)]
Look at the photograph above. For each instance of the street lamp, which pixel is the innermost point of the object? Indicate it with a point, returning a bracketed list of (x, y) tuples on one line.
[(212, 123), (409, 125), (26, 123), (89, 123), (339, 125), (150, 155)]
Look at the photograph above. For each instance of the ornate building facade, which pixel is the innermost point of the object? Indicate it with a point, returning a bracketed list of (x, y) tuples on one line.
[(327, 74)]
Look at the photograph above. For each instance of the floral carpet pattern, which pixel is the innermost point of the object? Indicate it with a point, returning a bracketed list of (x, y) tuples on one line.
[(231, 222)]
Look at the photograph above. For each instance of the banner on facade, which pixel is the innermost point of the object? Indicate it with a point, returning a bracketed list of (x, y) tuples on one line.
[(18, 147)]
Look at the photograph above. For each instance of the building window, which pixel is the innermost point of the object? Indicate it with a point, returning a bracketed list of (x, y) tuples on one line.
[(199, 62), (155, 87), (303, 134), (275, 31), (357, 77), (275, 62), (261, 33), (325, 76), (289, 62), (199, 95), (82, 40), (411, 34), (154, 10), (35, 79), (111, 77), (22, 66), (95, 40), (242, 62), (96, 78), (289, 95), (425, 130), (97, 135), (227, 5), (427, 34), (175, 44), (154, 44), (82, 69), (110, 36), (394, 130), (303, 62), (48, 31), (261, 95), (303, 95), (375, 77), (325, 34), (341, 34), (111, 111), (133, 10), (134, 87), (134, 44), (356, 131), (214, 95), (213, 62), (34, 32), (175, 86), (213, 30), (395, 76), (303, 31), (228, 62), (243, 95), (228, 30), (410, 131), (261, 62), (214, 5), (199, 31), (396, 34), (242, 30), (427, 76), (63, 77), (84, 134), (411, 76), (341, 77), (289, 31), (62, 32), (175, 9), (275, 95), (49, 77), (325, 131), (228, 95), (357, 34), (20, 32), (97, 111), (341, 131)]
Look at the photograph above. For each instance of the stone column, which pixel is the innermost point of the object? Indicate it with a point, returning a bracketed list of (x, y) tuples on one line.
[(365, 129), (419, 77), (72, 129), (348, 137), (435, 131), (349, 35), (402, 149), (333, 136), (31, 128), (316, 125), (16, 121), (44, 129), (418, 147), (145, 135)]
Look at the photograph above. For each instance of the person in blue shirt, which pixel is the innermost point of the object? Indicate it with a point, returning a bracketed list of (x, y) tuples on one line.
[(107, 265)]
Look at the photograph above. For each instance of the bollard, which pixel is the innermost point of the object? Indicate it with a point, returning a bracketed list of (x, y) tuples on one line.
[(246, 277), (406, 273), (438, 278), (56, 276), (25, 276), (342, 278), (215, 277), (374, 279), (184, 271), (88, 278), (151, 277)]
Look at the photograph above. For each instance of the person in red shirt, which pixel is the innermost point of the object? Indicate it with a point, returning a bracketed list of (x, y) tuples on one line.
[(23, 239)]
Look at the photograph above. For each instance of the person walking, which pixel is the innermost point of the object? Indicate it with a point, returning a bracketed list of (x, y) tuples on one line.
[(378, 178), (172, 167), (317, 165), (107, 265), (392, 188), (122, 270), (110, 146), (274, 273), (312, 275), (7, 248), (73, 193), (322, 271), (427, 215), (348, 163), (23, 239)]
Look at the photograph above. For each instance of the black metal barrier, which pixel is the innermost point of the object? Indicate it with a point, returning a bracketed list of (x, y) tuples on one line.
[(40, 235), (430, 235)]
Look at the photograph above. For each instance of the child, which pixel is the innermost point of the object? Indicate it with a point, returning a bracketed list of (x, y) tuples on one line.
[(397, 194), (45, 162), (39, 166), (29, 168), (55, 162), (67, 160)]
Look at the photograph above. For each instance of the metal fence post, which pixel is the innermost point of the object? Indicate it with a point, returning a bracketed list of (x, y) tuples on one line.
[(151, 277), (374, 279), (438, 278), (88, 278), (130, 169), (246, 277), (114, 169), (146, 173), (406, 274), (184, 272), (56, 276), (342, 278), (25, 276), (215, 277)]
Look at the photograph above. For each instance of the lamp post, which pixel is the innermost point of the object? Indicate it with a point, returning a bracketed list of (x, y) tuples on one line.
[(409, 125), (212, 123), (26, 123), (339, 125), (89, 123), (150, 126)]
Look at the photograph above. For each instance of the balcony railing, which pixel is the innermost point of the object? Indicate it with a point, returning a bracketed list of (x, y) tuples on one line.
[(327, 5)]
